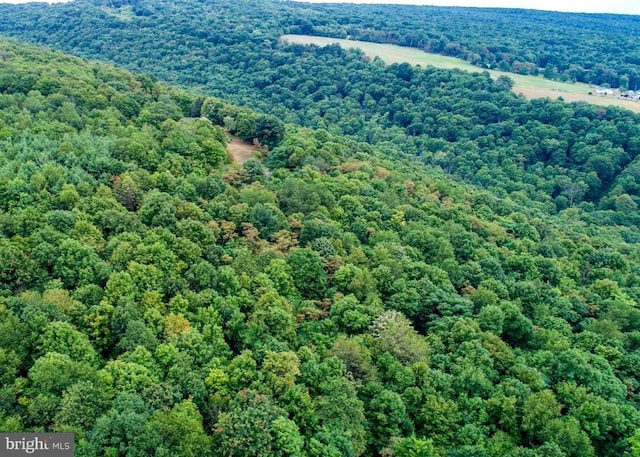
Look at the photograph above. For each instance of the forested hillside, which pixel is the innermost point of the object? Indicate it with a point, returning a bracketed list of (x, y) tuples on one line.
[(591, 48), (158, 299), (549, 153)]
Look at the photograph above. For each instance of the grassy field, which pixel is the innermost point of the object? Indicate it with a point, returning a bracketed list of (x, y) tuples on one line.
[(529, 86)]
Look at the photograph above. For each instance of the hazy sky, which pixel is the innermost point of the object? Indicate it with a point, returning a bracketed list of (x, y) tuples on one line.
[(582, 6)]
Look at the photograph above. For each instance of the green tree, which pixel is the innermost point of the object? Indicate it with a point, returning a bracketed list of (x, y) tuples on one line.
[(81, 405), (118, 431), (53, 373), (177, 431), (308, 273), (393, 333), (280, 370), (76, 263), (63, 338), (414, 447), (540, 409), (269, 130), (387, 418), (212, 109), (268, 219), (352, 316), (247, 428), (342, 417)]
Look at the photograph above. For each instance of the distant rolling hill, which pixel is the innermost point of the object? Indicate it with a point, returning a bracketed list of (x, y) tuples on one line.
[(529, 86)]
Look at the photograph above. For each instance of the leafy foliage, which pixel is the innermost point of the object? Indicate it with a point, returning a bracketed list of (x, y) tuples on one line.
[(158, 299), (559, 155)]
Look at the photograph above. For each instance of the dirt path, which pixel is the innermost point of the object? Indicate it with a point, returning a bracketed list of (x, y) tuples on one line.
[(240, 151)]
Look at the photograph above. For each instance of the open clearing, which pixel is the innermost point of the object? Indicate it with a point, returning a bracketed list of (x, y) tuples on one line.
[(240, 151), (529, 86)]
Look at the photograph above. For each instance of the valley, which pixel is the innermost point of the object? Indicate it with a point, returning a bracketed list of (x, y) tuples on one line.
[(528, 86)]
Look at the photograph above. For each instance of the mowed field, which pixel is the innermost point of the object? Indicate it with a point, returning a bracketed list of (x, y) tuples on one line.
[(528, 86)]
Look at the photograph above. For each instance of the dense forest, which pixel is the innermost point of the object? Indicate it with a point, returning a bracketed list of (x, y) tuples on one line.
[(592, 48), (415, 261), (160, 299), (555, 154)]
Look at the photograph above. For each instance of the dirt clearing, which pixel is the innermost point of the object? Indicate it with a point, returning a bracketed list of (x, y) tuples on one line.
[(240, 150)]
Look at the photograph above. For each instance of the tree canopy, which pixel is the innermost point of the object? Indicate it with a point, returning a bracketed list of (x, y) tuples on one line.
[(426, 264)]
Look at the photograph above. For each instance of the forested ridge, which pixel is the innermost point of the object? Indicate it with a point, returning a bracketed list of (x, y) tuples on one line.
[(544, 152), (416, 262), (593, 48), (333, 297)]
